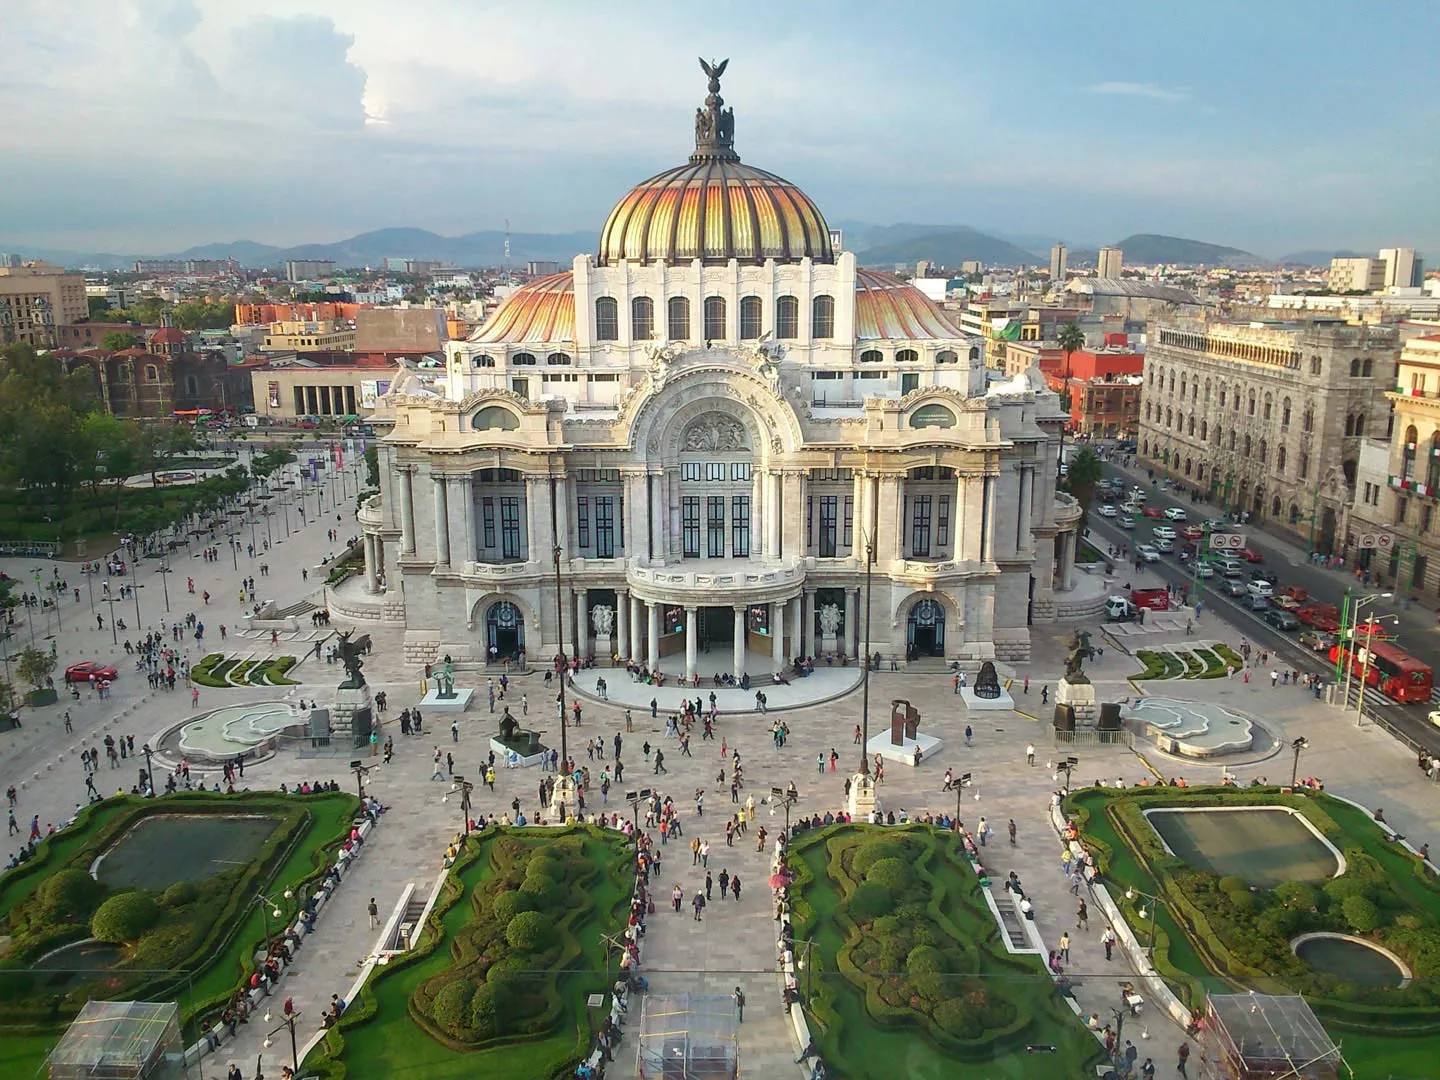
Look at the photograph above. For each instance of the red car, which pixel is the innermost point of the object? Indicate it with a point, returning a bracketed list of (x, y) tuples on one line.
[(1251, 555), (1153, 512), (90, 670)]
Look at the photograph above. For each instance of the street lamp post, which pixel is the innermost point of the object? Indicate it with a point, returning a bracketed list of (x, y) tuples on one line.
[(960, 786), (1297, 745), (564, 664), (287, 1020), (270, 909), (464, 787), (787, 800), (865, 669), (1350, 619), (360, 769), (1067, 766), (1131, 894), (112, 601), (149, 772), (164, 572)]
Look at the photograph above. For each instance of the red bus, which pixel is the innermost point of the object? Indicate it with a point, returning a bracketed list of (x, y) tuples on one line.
[(1392, 671)]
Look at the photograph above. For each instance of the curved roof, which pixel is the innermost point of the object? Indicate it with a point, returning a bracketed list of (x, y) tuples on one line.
[(715, 209), (543, 310), (168, 335), (886, 307)]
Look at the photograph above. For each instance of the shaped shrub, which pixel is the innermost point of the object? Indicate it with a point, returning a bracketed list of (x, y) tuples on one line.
[(125, 917), (529, 932), (452, 1009), (870, 901), (895, 874), (509, 904), (68, 895), (1361, 914), (179, 894)]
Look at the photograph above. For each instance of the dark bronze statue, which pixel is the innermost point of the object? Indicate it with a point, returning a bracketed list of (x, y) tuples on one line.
[(1080, 651), (351, 649), (509, 727), (987, 682)]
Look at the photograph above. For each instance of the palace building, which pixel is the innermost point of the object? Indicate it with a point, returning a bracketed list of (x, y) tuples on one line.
[(689, 441)]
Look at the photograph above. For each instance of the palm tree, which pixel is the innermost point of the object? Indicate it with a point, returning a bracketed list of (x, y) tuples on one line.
[(1084, 474), (1071, 339)]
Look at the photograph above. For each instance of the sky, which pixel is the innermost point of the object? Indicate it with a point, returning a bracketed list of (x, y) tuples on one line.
[(149, 125)]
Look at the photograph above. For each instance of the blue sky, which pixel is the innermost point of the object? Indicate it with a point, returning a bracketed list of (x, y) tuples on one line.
[(149, 125)]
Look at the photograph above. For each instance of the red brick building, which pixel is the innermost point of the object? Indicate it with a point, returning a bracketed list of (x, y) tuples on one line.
[(164, 376), (1103, 387)]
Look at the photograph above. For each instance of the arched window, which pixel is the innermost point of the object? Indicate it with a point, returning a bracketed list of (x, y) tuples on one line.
[(1264, 451), (557, 359), (495, 418), (1355, 368), (482, 360), (1280, 460), (1190, 427), (1184, 381), (525, 359), (1179, 422), (1407, 468), (1169, 417), (787, 318), (1266, 413), (152, 373), (677, 310), (642, 318), (607, 319), (1304, 469), (1207, 391), (1248, 445), (946, 356), (1204, 430), (1250, 404), (928, 416), (822, 317), (1222, 397), (1275, 506), (1171, 387), (1232, 438), (1349, 425), (871, 356), (1360, 424), (1285, 413), (906, 356), (1432, 472), (714, 318), (1367, 368), (749, 318), (1347, 469), (974, 355)]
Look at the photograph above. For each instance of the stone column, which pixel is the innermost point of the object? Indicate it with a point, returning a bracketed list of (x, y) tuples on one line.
[(860, 523), (967, 520), (792, 484), (657, 516), (442, 524), (372, 577), (637, 649), (987, 518), (887, 542), (463, 506), (852, 622), (758, 517), (740, 610), (622, 624), (653, 630), (1067, 561), (692, 642), (407, 512), (1022, 519), (582, 622), (777, 634), (772, 515), (808, 619), (636, 542), (560, 492), (797, 611), (536, 528)]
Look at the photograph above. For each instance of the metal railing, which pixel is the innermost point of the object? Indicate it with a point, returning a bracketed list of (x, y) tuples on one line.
[(29, 548)]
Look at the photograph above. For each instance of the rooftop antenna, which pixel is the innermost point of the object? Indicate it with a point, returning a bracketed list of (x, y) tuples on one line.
[(506, 267)]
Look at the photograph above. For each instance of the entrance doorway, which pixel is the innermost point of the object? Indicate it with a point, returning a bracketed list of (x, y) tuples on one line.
[(925, 631), (504, 631), (717, 629)]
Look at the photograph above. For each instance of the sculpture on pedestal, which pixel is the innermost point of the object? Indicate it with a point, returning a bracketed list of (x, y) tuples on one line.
[(987, 682), (904, 722), (829, 620), (602, 617), (445, 684), (350, 653), (1080, 651)]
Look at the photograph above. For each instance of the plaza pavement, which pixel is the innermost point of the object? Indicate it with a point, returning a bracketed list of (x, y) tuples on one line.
[(1363, 764)]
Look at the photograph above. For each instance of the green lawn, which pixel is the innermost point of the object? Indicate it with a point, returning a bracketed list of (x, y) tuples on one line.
[(861, 1030), (380, 1039), (211, 981), (1373, 1055)]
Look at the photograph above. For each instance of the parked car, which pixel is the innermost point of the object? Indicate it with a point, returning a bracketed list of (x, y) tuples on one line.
[(1153, 512), (1163, 532), (1232, 568), (90, 670), (1175, 513), (1148, 553), (1107, 510), (1216, 525), (1317, 640), (1281, 620), (1126, 521)]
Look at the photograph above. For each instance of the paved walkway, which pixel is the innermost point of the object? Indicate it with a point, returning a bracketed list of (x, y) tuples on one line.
[(824, 684)]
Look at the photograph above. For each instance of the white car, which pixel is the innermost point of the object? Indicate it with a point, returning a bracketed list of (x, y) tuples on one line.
[(1107, 510), (1148, 553), (1175, 513), (1435, 718), (1163, 532), (1165, 547), (1205, 570)]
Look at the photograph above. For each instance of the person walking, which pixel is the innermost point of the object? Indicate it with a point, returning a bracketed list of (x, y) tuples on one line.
[(438, 772), (968, 733), (374, 910), (455, 731), (1030, 754), (1183, 1055), (1065, 946), (735, 887), (677, 894), (1108, 940), (699, 902), (724, 882), (709, 885), (1082, 916), (1044, 694), (705, 853), (739, 1004), (1012, 832), (1075, 883)]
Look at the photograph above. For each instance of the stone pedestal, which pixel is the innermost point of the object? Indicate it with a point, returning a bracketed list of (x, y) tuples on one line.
[(1081, 698), (1003, 703), (604, 649), (862, 801), (904, 754), (829, 646), (524, 761), (433, 702), (563, 798), (352, 716)]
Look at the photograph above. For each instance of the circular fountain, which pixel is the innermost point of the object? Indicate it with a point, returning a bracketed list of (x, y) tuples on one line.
[(1351, 958)]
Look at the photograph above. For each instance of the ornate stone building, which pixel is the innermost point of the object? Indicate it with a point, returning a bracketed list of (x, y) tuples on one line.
[(1268, 416), (696, 434)]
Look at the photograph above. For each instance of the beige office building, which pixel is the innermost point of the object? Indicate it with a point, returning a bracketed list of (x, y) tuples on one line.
[(327, 335), (1268, 417), (1356, 275), (1108, 262), (35, 299)]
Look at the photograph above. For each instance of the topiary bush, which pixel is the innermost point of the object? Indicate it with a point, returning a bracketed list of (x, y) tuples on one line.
[(68, 895), (870, 901), (123, 918), (1362, 915), (529, 932), (509, 904), (452, 1008), (487, 1012), (179, 894), (895, 874), (872, 851)]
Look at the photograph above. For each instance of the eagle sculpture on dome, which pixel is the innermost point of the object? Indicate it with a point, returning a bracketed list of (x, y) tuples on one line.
[(714, 69)]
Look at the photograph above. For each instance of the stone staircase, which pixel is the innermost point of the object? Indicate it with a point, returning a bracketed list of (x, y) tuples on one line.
[(1011, 920)]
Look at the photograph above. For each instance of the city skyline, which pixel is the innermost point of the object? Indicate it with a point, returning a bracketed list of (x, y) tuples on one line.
[(153, 126)]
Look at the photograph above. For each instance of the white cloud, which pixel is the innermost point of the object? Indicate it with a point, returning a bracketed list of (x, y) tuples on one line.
[(1140, 90)]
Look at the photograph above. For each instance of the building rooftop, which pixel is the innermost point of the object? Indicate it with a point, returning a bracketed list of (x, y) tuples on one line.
[(1145, 290)]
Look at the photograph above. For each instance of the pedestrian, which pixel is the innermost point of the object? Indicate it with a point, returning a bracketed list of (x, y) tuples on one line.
[(1044, 693), (1147, 1071), (1012, 832), (455, 731), (820, 762), (982, 831), (857, 734), (709, 884), (1108, 940), (1065, 946), (724, 882), (735, 886), (699, 902), (740, 1004), (1274, 679), (1030, 754), (705, 853), (1183, 1054), (677, 894), (968, 733), (1075, 883), (1082, 916), (374, 914)]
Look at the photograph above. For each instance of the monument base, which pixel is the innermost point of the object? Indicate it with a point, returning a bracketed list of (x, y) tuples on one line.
[(433, 702), (524, 761), (1080, 697), (352, 716), (904, 754), (562, 799), (861, 802), (604, 650), (1003, 703), (829, 646)]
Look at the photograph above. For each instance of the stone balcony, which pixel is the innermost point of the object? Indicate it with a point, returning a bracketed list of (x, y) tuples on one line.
[(1067, 509), (369, 515), (716, 582)]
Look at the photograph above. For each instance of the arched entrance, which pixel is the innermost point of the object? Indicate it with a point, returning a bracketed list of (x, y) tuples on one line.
[(504, 630), (925, 630)]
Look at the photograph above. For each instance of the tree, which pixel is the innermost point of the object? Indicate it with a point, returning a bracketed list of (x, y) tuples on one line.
[(98, 305), (34, 666), (1084, 474), (125, 917), (117, 340), (372, 466), (1071, 340)]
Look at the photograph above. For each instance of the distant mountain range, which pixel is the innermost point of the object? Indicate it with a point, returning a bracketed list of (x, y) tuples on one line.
[(1320, 257), (880, 246)]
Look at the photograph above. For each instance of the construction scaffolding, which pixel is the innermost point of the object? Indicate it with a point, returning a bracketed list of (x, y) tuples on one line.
[(1269, 1037), (121, 1040), (687, 1037)]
